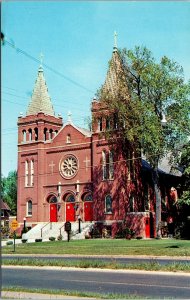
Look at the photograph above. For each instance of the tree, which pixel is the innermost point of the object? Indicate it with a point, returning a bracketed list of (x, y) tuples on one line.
[(147, 92), (9, 190), (185, 185)]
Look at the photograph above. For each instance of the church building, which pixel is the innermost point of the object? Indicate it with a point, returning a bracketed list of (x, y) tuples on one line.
[(66, 172)]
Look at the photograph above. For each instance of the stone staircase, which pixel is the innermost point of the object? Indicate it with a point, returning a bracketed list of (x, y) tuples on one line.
[(54, 229)]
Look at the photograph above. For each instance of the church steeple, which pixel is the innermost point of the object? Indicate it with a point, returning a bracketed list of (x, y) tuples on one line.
[(114, 70), (40, 101)]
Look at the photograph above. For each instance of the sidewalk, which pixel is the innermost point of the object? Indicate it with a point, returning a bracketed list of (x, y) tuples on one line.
[(24, 295)]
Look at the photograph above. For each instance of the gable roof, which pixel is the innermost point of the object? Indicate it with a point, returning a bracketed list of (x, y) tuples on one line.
[(4, 206), (40, 101)]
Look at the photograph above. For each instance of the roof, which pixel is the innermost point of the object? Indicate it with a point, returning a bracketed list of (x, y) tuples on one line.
[(84, 131), (4, 206), (115, 72), (40, 101)]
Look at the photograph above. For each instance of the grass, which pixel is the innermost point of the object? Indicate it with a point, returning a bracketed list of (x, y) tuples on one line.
[(72, 293), (148, 266), (108, 247)]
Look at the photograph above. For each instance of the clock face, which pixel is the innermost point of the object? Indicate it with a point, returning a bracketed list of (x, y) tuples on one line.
[(69, 166)]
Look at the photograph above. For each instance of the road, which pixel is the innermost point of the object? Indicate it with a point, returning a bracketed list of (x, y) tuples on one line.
[(115, 259), (145, 284)]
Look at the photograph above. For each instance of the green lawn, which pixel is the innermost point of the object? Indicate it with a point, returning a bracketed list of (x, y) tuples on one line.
[(165, 247)]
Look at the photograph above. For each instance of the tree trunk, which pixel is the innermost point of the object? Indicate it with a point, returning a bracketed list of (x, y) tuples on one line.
[(155, 178)]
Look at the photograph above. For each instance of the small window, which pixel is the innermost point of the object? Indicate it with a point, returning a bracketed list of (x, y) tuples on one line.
[(68, 139), (45, 134), (131, 203), (26, 173), (51, 134), (70, 198), (100, 124), (108, 123), (29, 208), (36, 134), (88, 197), (31, 172), (111, 165), (2, 213), (104, 166), (24, 135), (30, 134), (108, 204)]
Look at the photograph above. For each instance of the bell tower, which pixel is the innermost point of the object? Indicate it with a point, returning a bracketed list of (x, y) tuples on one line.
[(36, 129)]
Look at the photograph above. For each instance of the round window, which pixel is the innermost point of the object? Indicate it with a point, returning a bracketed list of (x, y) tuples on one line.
[(69, 166)]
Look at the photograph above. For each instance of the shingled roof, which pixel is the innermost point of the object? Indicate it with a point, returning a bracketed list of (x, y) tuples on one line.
[(4, 206), (40, 101)]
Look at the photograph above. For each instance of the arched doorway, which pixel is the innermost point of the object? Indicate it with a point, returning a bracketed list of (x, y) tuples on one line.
[(88, 207), (70, 207), (52, 208)]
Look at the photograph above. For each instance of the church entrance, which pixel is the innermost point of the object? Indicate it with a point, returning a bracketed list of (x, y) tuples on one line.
[(52, 209), (70, 208), (88, 207), (53, 212)]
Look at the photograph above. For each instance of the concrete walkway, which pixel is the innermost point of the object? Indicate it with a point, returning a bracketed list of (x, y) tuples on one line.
[(24, 295)]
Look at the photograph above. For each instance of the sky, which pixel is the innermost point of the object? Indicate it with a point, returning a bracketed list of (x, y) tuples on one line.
[(76, 39)]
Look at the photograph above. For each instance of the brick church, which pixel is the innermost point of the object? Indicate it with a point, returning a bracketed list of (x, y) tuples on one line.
[(66, 172)]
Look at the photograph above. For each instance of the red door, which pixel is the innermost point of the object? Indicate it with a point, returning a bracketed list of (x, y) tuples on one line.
[(53, 212), (147, 227), (88, 211), (70, 212)]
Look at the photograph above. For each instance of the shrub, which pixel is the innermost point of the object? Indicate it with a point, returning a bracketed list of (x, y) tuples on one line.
[(52, 238), (38, 240), (9, 243), (24, 240), (60, 237)]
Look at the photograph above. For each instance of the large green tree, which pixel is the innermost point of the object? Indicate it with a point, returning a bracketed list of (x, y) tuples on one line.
[(185, 184), (9, 191), (149, 94)]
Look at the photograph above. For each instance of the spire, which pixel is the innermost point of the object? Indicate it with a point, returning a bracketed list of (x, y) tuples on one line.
[(40, 101), (115, 68)]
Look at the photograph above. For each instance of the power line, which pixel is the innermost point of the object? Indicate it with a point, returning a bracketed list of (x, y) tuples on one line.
[(18, 50)]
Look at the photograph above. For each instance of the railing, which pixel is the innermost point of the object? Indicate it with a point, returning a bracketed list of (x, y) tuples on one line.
[(45, 226), (61, 228)]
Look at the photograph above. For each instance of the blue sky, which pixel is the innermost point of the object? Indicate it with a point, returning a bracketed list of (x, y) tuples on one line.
[(76, 39)]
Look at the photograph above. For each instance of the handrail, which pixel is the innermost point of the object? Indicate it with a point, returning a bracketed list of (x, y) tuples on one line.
[(61, 228), (43, 227)]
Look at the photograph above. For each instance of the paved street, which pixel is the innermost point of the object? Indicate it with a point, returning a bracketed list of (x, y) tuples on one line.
[(152, 284)]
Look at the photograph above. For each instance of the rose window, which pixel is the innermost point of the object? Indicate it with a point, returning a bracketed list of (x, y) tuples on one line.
[(69, 167)]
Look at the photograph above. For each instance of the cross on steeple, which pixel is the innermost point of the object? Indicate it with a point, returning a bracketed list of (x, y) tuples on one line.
[(69, 117), (115, 40)]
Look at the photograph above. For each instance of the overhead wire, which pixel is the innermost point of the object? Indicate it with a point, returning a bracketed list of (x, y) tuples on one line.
[(18, 50)]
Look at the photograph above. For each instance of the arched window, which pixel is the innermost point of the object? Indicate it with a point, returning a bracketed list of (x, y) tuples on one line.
[(26, 173), (51, 134), (111, 165), (87, 197), (29, 208), (45, 134), (104, 166), (108, 204), (31, 172), (108, 123), (24, 135), (100, 124), (70, 198), (36, 134), (68, 139), (30, 134)]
